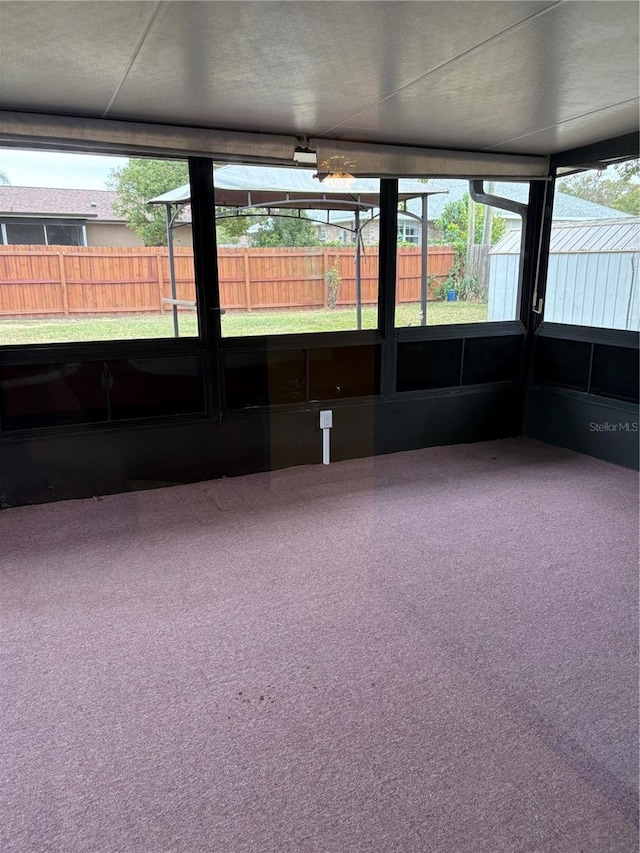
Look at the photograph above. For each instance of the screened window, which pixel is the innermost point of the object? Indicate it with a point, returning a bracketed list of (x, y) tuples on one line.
[(24, 233), (41, 233), (472, 269), (64, 235), (294, 253), (594, 260), (86, 257)]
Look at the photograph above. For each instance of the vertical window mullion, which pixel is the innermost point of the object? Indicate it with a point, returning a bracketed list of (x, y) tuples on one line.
[(205, 253), (387, 281)]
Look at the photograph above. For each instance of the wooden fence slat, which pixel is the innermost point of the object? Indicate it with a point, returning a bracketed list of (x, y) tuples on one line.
[(63, 284), (247, 280), (56, 281)]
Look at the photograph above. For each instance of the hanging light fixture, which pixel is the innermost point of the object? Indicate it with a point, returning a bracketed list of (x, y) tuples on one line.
[(335, 173)]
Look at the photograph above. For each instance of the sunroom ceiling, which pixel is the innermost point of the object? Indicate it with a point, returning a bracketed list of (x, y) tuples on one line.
[(520, 77)]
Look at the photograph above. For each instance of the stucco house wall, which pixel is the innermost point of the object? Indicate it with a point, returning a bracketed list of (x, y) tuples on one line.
[(111, 234)]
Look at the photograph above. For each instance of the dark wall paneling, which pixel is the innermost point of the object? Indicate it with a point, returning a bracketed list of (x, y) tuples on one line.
[(344, 372), (496, 359), (264, 378), (34, 396), (43, 395), (153, 387), (73, 464), (615, 372), (564, 363), (606, 429), (422, 365), (258, 378)]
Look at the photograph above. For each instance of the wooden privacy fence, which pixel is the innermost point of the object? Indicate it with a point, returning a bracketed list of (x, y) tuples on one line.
[(72, 281)]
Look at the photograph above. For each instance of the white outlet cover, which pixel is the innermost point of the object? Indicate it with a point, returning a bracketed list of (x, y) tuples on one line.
[(326, 419)]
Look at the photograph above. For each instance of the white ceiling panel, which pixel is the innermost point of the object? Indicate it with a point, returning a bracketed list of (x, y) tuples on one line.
[(558, 67), (523, 77), (304, 65), (67, 57), (585, 130)]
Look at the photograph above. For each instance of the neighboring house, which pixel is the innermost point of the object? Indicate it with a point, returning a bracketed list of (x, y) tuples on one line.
[(567, 208), (63, 217)]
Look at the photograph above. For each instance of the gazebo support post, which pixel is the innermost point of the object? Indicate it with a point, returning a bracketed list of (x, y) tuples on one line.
[(423, 269), (172, 271), (358, 274)]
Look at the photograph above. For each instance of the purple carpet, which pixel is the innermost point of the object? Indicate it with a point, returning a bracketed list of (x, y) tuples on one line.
[(429, 651)]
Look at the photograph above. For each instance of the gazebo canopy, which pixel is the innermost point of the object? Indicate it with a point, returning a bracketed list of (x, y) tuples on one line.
[(265, 186), (270, 188)]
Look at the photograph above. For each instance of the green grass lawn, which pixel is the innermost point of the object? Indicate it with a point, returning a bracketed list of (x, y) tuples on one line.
[(58, 330)]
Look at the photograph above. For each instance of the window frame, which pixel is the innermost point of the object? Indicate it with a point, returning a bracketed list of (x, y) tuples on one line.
[(615, 150), (45, 223), (596, 334), (129, 346), (495, 327), (404, 237), (309, 339)]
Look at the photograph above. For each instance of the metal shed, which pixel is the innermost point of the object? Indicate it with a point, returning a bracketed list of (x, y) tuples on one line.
[(592, 279)]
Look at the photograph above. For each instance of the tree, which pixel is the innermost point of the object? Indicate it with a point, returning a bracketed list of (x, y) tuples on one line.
[(618, 188), (453, 224), (230, 227), (141, 180), (135, 184), (288, 229), (630, 169), (4, 179), (630, 201)]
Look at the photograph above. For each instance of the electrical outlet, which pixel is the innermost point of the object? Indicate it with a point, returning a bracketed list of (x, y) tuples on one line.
[(326, 419)]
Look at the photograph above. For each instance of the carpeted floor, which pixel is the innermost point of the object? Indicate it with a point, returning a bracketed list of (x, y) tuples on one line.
[(430, 651)]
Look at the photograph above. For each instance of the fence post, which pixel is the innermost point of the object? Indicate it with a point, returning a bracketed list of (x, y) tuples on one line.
[(247, 280), (160, 279), (63, 284)]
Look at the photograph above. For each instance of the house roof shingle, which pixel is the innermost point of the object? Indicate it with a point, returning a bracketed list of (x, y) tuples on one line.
[(93, 205), (566, 207)]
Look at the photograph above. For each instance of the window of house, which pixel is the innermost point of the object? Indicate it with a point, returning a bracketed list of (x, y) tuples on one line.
[(594, 260), (40, 233), (472, 271), (23, 233), (408, 232), (85, 257), (59, 234), (275, 273)]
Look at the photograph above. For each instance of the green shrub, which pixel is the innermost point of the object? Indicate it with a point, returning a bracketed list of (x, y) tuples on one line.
[(469, 289), (334, 280)]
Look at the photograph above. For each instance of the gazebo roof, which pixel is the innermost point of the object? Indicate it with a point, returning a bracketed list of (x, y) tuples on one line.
[(265, 186)]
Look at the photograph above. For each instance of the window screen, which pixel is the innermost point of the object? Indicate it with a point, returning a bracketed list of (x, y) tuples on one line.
[(594, 260), (471, 270)]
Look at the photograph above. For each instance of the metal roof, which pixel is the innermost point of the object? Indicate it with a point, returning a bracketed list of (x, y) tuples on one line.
[(570, 238), (252, 186)]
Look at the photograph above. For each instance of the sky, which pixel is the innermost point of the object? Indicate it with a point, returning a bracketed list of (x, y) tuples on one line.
[(55, 169)]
